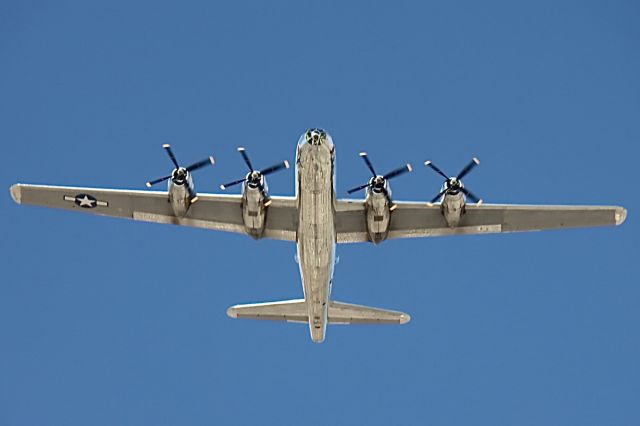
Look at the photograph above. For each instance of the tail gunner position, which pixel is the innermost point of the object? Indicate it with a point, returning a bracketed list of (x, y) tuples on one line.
[(316, 220)]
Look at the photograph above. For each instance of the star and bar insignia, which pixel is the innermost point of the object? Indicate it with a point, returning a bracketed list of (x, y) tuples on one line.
[(86, 201)]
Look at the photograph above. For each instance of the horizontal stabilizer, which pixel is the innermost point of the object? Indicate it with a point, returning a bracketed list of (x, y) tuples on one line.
[(296, 311), (346, 313), (287, 310)]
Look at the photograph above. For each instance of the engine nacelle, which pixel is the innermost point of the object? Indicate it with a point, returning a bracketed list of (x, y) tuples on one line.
[(254, 208), (453, 207), (378, 216), (182, 194)]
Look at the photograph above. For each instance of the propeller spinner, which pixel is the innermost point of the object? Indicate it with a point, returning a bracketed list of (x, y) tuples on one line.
[(254, 178), (453, 184), (378, 183), (179, 174)]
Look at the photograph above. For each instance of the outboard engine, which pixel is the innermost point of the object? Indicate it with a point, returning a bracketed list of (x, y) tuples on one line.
[(453, 193), (182, 192)]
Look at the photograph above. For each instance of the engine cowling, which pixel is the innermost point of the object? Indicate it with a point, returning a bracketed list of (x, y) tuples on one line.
[(453, 208), (182, 194), (453, 193), (378, 215), (254, 194), (254, 207)]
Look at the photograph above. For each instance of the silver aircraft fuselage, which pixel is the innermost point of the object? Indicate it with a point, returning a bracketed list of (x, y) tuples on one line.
[(316, 245)]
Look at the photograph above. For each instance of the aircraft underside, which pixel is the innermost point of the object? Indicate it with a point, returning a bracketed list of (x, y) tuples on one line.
[(316, 220)]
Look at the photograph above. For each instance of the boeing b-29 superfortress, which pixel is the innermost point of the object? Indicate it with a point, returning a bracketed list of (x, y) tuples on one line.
[(316, 220)]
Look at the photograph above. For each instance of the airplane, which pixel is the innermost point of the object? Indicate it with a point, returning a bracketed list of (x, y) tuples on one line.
[(317, 220)]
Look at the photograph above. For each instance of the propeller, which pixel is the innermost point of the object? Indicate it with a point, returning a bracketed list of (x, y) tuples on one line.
[(179, 174), (254, 178), (453, 184), (377, 183)]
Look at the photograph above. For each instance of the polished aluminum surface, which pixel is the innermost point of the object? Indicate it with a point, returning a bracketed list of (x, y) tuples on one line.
[(316, 228), (181, 194), (316, 221), (253, 210), (453, 208), (378, 216)]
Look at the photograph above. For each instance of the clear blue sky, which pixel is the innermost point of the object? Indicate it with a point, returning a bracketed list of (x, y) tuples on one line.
[(106, 322)]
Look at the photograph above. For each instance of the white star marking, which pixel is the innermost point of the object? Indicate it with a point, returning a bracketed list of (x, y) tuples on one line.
[(86, 202)]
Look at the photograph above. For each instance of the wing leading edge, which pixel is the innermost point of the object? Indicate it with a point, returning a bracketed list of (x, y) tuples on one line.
[(415, 219), (212, 211)]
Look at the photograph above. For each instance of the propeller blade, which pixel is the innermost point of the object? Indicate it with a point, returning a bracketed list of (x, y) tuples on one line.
[(468, 168), (167, 148), (200, 164), (230, 184), (153, 182), (368, 163), (275, 168), (243, 152), (428, 163), (399, 171), (351, 191), (437, 197), (471, 195)]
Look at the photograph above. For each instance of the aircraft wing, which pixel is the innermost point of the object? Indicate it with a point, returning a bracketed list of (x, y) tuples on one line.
[(212, 211), (415, 219)]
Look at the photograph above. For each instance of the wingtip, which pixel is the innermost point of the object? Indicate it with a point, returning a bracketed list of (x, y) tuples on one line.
[(476, 160), (16, 193), (240, 148), (223, 187), (621, 215), (427, 162), (232, 313), (148, 184), (363, 154), (286, 164), (405, 318), (409, 167), (166, 145), (212, 160)]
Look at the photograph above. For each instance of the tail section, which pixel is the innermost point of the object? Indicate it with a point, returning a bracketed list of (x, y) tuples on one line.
[(338, 313)]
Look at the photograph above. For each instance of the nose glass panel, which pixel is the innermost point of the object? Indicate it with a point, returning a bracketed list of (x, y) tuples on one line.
[(315, 137)]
